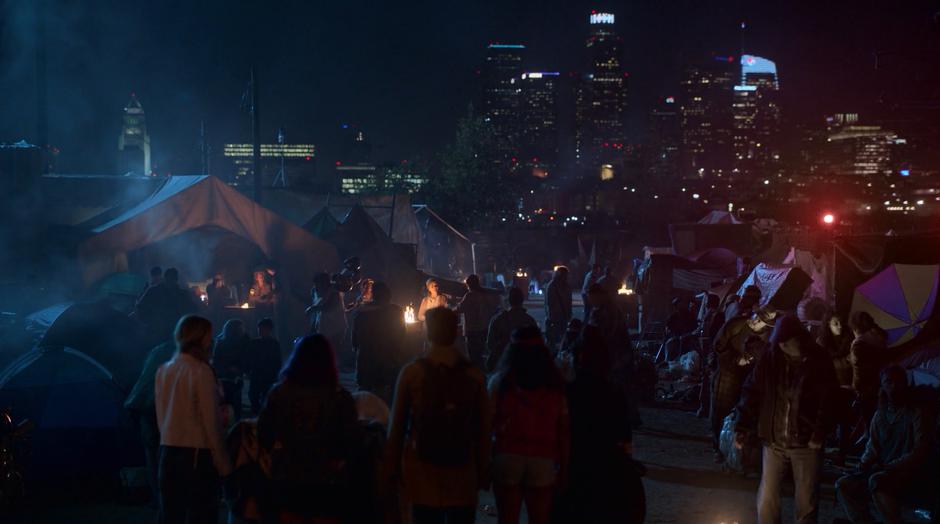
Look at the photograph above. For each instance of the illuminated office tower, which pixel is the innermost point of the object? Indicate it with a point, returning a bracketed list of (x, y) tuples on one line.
[(501, 72), (538, 145), (297, 161), (134, 142), (601, 98), (756, 111), (664, 137), (705, 117)]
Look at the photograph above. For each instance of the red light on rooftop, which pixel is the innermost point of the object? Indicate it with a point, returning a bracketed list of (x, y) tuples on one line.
[(307, 157), (339, 163)]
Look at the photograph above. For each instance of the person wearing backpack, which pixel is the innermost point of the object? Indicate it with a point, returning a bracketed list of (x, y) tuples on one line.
[(439, 434), (530, 430), (310, 427)]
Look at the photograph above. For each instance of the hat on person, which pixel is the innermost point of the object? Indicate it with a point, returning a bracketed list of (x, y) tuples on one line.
[(767, 316)]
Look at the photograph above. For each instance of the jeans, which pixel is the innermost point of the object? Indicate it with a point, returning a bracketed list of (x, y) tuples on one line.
[(859, 491), (448, 515), (189, 486), (554, 333), (150, 439), (806, 464)]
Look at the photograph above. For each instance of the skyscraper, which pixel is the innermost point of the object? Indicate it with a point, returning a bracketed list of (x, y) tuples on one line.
[(134, 142), (705, 114), (501, 72), (538, 145), (756, 137), (663, 153), (601, 99)]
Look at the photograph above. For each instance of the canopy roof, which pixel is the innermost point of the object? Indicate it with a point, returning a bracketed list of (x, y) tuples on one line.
[(901, 299), (187, 203), (719, 217), (443, 251)]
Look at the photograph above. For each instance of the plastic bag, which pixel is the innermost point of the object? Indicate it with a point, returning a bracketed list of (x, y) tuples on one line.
[(744, 460), (691, 363)]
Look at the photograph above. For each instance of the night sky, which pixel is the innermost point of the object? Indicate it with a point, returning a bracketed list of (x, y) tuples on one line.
[(404, 71)]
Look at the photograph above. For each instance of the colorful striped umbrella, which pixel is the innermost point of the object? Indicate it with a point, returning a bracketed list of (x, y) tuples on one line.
[(900, 299)]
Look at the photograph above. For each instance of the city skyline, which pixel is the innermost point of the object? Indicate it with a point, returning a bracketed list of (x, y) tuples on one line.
[(312, 79)]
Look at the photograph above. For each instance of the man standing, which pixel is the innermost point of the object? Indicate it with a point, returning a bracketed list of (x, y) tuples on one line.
[(785, 401), (378, 331), (503, 324), (264, 363), (590, 278), (898, 451), (439, 436), (557, 307), (163, 305), (477, 308)]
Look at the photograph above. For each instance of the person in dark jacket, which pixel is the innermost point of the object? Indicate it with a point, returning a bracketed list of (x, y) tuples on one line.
[(377, 336), (310, 426), (230, 361), (867, 356), (897, 455), (590, 278), (263, 359), (737, 346), (558, 309), (476, 307), (786, 401), (503, 324), (162, 305)]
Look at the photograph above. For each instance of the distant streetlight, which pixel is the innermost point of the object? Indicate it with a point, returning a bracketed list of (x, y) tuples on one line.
[(828, 218)]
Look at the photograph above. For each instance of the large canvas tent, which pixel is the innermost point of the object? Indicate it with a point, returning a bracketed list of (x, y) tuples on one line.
[(381, 259), (198, 221), (442, 251)]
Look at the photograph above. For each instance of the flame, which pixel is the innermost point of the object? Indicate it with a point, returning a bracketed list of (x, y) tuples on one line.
[(245, 306), (204, 297), (410, 315), (624, 290)]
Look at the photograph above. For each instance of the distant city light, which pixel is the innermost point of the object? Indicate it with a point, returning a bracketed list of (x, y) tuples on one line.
[(920, 202), (670, 100), (506, 46), (696, 196), (905, 172), (602, 18), (828, 218), (766, 182)]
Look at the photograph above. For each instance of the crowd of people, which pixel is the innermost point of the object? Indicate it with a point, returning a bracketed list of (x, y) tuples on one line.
[(543, 417), (787, 388)]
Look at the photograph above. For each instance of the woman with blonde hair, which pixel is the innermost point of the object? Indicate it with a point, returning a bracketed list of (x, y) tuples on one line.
[(433, 299), (193, 455)]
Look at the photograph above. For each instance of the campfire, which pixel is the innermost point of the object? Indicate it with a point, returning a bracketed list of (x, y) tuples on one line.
[(624, 290)]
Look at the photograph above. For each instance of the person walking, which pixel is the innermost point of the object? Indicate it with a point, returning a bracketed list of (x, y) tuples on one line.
[(477, 307), (439, 436), (897, 459), (263, 359), (310, 427), (558, 309), (502, 326), (193, 455), (530, 431), (786, 403), (378, 334)]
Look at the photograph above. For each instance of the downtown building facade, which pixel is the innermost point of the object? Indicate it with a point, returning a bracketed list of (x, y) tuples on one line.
[(502, 99), (706, 95), (134, 142), (601, 100), (756, 135)]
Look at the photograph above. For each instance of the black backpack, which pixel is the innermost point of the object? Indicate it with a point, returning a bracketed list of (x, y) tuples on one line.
[(447, 425)]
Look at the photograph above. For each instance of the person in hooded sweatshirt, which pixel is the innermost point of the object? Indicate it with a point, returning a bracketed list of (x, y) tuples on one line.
[(503, 324), (378, 332)]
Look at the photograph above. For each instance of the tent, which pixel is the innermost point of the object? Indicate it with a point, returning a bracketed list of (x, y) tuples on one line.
[(322, 225), (817, 267), (719, 217), (662, 277), (697, 237), (901, 299), (442, 250), (191, 219), (106, 335), (923, 364), (81, 436), (360, 236), (781, 287)]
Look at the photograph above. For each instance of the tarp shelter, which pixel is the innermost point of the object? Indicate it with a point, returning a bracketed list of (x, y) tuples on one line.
[(662, 277), (106, 335), (381, 259), (194, 218), (119, 290), (901, 299), (782, 287), (442, 251), (81, 436), (817, 266), (923, 364)]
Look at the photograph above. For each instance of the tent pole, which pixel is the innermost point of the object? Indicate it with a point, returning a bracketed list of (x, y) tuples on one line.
[(473, 256)]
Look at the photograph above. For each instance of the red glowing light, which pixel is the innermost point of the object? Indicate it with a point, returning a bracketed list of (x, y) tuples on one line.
[(339, 163), (307, 157), (828, 218)]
